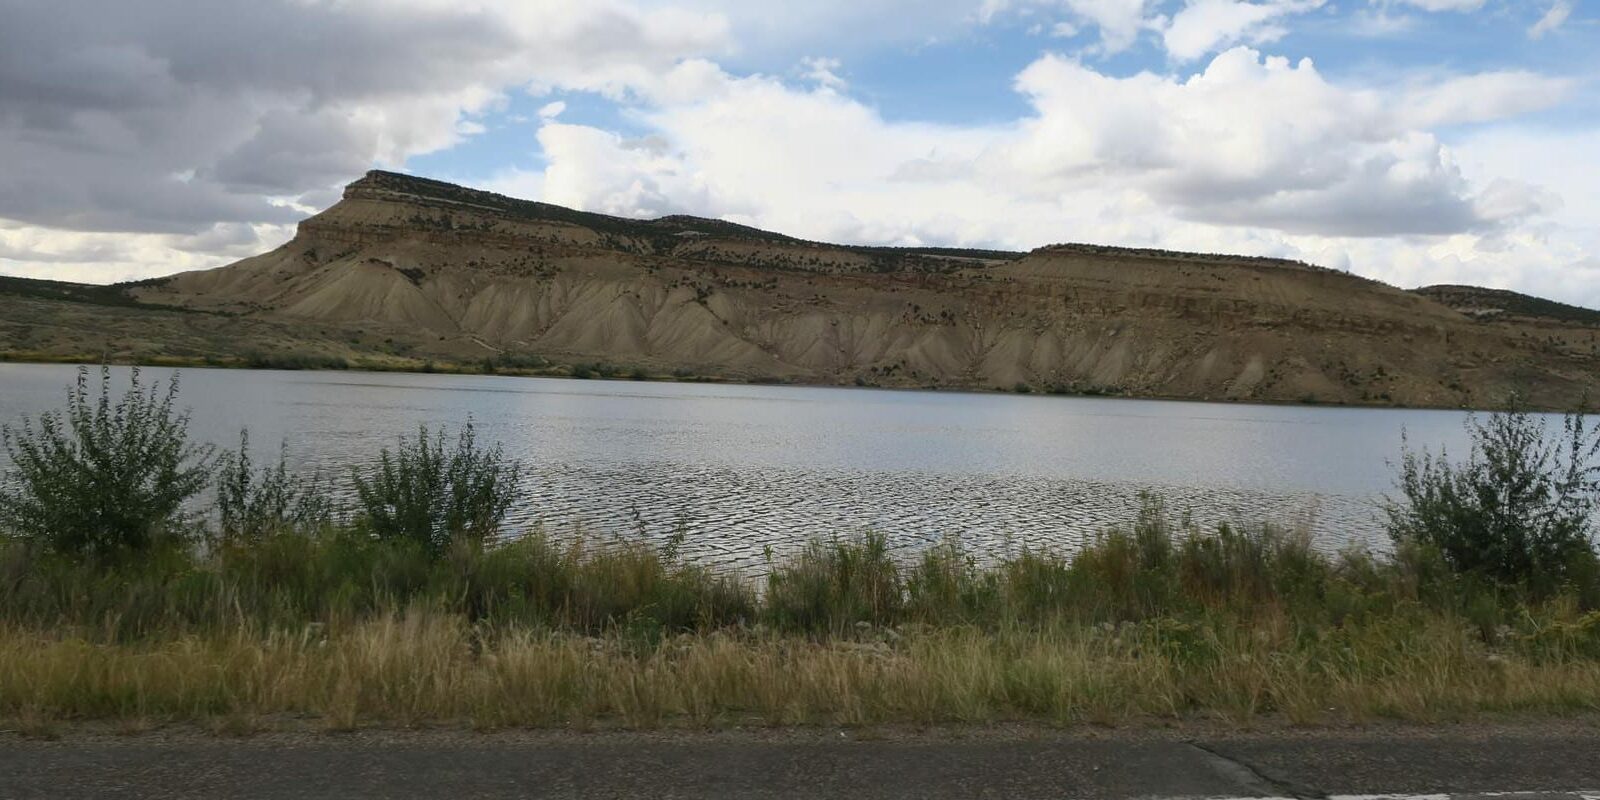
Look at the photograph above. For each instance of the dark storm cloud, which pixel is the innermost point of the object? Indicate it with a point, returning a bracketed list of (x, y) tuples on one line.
[(173, 115)]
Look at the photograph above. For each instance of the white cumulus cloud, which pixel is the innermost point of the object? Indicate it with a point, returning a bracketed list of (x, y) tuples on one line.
[(1552, 19), (1250, 154), (1118, 22), (1206, 26)]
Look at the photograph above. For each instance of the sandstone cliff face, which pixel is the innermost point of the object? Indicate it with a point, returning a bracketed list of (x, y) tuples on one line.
[(469, 274)]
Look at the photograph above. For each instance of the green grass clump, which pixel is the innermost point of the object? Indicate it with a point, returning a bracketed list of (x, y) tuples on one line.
[(290, 580), (830, 586)]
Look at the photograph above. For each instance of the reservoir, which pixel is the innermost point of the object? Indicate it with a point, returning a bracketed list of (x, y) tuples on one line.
[(740, 469)]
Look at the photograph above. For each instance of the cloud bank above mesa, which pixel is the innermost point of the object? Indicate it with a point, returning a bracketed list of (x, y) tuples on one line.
[(172, 136)]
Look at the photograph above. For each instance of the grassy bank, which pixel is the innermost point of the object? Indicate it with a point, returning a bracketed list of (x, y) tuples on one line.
[(414, 605), (338, 631)]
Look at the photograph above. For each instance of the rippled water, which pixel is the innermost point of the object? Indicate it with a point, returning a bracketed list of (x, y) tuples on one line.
[(742, 468)]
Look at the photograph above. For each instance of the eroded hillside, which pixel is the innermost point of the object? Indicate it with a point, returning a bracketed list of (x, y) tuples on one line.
[(405, 265)]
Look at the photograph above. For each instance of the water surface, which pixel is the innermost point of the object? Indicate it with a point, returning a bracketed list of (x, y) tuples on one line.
[(747, 467)]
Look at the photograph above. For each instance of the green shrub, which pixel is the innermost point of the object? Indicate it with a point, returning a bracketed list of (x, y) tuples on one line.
[(432, 496), (1517, 512), (514, 361), (252, 503), (102, 478), (256, 359)]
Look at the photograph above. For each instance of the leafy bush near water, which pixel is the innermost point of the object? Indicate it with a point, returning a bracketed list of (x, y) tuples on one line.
[(431, 495), (1519, 511), (109, 479), (102, 478)]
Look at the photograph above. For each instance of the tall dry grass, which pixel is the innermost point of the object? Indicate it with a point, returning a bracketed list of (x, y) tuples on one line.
[(427, 667), (1159, 619)]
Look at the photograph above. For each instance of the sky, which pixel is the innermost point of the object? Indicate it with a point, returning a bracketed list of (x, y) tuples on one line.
[(1412, 141)]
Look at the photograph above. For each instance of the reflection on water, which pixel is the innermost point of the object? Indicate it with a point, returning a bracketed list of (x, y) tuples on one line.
[(747, 467), (732, 514)]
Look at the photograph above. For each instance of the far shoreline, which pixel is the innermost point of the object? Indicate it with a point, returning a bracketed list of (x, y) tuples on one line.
[(565, 372)]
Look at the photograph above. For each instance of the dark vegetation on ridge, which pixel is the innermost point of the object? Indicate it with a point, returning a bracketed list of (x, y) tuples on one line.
[(110, 295), (1481, 302)]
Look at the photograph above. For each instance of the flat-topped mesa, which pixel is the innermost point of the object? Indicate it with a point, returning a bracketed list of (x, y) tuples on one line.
[(386, 186), (677, 232), (423, 269)]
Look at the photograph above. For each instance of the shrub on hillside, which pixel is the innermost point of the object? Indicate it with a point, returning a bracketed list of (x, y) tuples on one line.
[(102, 477), (1519, 511), (431, 495)]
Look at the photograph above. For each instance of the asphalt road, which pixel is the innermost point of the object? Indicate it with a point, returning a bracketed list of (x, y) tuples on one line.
[(1558, 761)]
